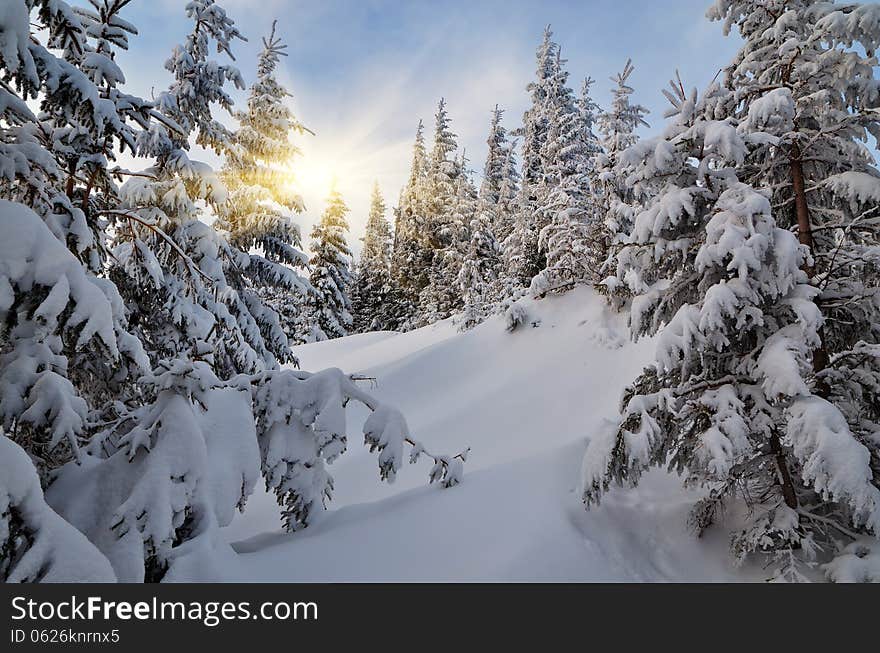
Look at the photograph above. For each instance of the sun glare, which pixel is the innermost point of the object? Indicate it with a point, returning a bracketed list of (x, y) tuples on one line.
[(313, 176)]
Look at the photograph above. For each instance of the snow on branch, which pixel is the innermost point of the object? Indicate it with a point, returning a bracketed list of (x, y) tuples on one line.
[(301, 428), (57, 310), (36, 545), (836, 464)]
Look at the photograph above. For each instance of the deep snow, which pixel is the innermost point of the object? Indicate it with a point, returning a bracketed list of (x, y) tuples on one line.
[(526, 403)]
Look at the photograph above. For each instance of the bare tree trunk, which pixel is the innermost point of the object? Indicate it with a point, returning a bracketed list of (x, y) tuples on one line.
[(805, 236), (805, 229)]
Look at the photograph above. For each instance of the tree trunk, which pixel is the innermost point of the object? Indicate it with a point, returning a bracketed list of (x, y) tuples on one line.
[(788, 493), (805, 236), (805, 229)]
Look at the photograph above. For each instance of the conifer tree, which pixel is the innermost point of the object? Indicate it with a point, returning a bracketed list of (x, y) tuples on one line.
[(57, 161), (449, 200), (64, 344), (805, 75), (176, 273), (373, 297), (260, 195), (410, 259), (331, 270), (523, 257), (763, 385), (498, 188), (36, 545), (569, 203), (618, 205), (739, 320), (478, 281), (493, 224)]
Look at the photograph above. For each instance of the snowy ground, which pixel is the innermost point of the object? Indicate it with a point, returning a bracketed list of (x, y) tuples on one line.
[(526, 403)]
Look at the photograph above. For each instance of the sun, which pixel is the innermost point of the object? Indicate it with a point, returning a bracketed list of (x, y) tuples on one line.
[(313, 178), (314, 172)]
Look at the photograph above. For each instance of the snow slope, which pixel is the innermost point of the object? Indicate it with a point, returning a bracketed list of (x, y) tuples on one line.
[(526, 403)]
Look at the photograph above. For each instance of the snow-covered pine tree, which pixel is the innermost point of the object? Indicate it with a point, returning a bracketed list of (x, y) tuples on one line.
[(186, 460), (374, 296), (478, 278), (495, 216), (729, 404), (57, 161), (589, 113), (500, 178), (522, 256), (618, 206), (260, 195), (410, 259), (805, 75), (64, 347), (448, 207), (178, 275), (331, 271), (443, 296), (171, 269), (569, 203), (86, 152), (63, 352), (301, 429)]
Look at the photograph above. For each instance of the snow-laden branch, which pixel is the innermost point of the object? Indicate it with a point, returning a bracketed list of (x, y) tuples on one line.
[(301, 423)]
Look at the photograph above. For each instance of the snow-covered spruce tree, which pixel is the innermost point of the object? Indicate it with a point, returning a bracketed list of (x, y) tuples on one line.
[(496, 211), (85, 152), (447, 193), (522, 256), (569, 204), (410, 259), (64, 347), (185, 461), (729, 403), (180, 277), (63, 351), (169, 267), (331, 271), (260, 196), (448, 262), (806, 75), (373, 295), (589, 112), (500, 178), (617, 208), (301, 427), (56, 161), (802, 76), (478, 278)]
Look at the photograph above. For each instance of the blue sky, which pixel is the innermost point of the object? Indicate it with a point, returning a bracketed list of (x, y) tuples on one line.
[(362, 72)]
